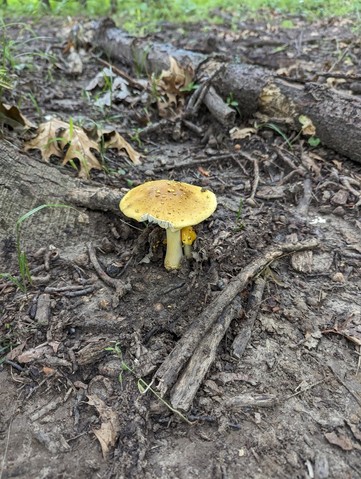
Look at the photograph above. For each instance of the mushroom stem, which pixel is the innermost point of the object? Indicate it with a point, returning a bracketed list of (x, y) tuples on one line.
[(174, 252)]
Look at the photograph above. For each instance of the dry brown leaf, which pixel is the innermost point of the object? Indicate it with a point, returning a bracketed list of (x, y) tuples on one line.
[(241, 133), (173, 80), (108, 432), (34, 354), (203, 172), (80, 146), (308, 128), (311, 164), (46, 139), (170, 85), (11, 115), (341, 441), (114, 140)]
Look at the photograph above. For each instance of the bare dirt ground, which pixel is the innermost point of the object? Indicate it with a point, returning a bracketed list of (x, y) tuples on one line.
[(290, 406)]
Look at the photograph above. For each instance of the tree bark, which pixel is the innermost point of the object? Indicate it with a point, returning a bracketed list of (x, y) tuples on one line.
[(26, 183), (336, 115)]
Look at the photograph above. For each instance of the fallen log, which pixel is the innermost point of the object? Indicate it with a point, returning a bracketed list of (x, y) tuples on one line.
[(336, 116)]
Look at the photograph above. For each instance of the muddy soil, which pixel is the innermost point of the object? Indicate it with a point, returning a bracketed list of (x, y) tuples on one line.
[(71, 401)]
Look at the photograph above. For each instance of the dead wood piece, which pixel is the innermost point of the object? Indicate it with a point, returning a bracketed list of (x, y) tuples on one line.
[(223, 113), (168, 371), (63, 289), (80, 292), (187, 386), (335, 115), (254, 302), (250, 400), (304, 203), (51, 406), (153, 127), (100, 199), (42, 315)]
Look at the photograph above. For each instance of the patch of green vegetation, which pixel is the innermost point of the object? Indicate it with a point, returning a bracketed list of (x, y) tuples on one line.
[(24, 271), (139, 17)]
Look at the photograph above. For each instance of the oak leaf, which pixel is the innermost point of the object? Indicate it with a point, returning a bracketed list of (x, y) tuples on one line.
[(79, 146), (46, 139), (112, 139), (12, 116)]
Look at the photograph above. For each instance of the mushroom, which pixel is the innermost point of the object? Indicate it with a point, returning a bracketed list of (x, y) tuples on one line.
[(188, 236), (172, 205)]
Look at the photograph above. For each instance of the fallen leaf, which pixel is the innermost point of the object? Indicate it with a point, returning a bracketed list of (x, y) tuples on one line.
[(176, 78), (114, 140), (355, 430), (241, 133), (57, 138), (80, 146), (341, 441), (311, 164), (172, 87), (46, 139), (108, 432), (14, 353), (34, 354), (307, 126), (12, 116), (202, 171)]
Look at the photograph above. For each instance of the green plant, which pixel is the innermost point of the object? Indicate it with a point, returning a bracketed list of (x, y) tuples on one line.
[(314, 141), (23, 265), (278, 130), (232, 102), (35, 103), (5, 81), (143, 386), (190, 87)]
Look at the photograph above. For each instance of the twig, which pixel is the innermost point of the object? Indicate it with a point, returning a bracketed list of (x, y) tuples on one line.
[(310, 386), (170, 368), (250, 400), (187, 385), (254, 302), (153, 127), (117, 284), (80, 292), (250, 200), (132, 82), (198, 96), (199, 161), (304, 203), (63, 289)]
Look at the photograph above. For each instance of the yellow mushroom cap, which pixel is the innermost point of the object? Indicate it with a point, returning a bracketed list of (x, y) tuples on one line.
[(170, 204), (188, 235)]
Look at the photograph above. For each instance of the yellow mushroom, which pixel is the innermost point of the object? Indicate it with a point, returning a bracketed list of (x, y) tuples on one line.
[(188, 236), (172, 205)]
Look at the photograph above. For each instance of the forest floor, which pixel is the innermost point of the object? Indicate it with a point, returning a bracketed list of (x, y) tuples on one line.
[(290, 406)]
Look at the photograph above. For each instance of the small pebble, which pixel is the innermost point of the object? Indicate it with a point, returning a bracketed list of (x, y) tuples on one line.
[(338, 277)]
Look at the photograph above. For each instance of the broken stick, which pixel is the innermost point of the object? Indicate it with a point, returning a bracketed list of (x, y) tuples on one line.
[(187, 386), (168, 371), (254, 302)]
